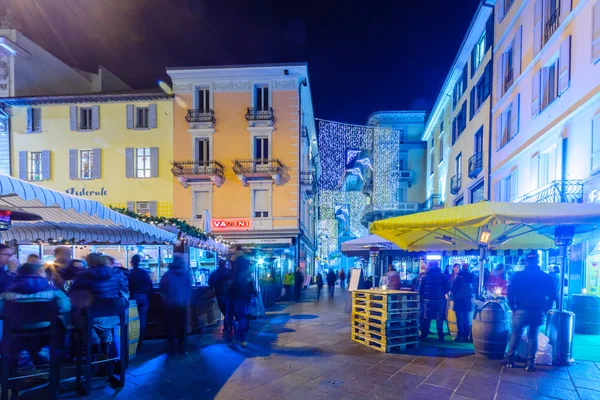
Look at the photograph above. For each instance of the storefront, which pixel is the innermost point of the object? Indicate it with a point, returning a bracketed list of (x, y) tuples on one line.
[(589, 251)]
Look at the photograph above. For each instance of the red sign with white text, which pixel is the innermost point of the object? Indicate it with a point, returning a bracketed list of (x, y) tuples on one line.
[(230, 224)]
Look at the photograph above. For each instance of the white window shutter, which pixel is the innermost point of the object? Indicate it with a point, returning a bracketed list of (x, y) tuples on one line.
[(514, 185), (73, 163), (73, 117), (152, 116), (498, 132), (514, 116), (23, 165), (29, 119), (535, 171), (129, 163), (499, 77), (535, 93), (153, 206), (97, 163), (95, 117), (596, 37), (565, 9), (154, 162), (564, 63), (46, 165), (261, 201), (130, 110), (517, 53), (537, 26)]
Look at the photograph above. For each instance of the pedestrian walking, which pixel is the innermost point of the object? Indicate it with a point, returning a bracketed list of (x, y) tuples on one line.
[(393, 278), (140, 289), (462, 294), (219, 280), (239, 295), (298, 283), (331, 278), (531, 294), (342, 280), (433, 290), (319, 281), (288, 283), (175, 285)]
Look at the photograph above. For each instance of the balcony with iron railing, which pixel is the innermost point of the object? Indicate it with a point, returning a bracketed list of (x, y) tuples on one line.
[(475, 165), (196, 171), (455, 184), (433, 202), (552, 24), (570, 191), (247, 170), (372, 213), (508, 80), (260, 114), (196, 116)]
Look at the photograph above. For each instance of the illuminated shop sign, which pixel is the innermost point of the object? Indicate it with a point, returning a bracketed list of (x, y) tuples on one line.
[(232, 224)]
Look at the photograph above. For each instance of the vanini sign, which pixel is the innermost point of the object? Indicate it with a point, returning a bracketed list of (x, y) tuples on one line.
[(230, 224)]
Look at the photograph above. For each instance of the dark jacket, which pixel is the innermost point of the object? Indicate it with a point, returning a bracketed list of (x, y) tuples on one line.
[(462, 291), (298, 279), (434, 285), (6, 279), (242, 285), (531, 290), (176, 285), (319, 280), (331, 278), (219, 279), (99, 282), (140, 284)]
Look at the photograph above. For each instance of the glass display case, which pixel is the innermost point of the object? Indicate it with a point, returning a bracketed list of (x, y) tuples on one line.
[(202, 263)]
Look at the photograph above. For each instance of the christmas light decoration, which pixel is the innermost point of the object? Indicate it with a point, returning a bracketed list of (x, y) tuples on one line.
[(366, 162)]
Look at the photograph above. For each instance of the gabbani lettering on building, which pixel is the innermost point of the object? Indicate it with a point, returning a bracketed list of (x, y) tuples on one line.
[(86, 192), (221, 224)]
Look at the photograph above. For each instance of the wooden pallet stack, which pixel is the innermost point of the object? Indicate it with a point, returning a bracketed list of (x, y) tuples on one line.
[(385, 320)]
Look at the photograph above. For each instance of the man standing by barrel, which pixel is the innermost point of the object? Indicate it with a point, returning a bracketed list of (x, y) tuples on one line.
[(531, 294)]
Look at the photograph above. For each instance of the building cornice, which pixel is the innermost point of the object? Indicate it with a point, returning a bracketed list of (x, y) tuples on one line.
[(86, 98), (393, 117)]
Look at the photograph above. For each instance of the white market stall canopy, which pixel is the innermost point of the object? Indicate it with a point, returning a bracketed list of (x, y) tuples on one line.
[(65, 216), (360, 247)]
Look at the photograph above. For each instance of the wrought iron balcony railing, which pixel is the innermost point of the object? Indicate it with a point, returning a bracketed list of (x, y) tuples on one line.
[(551, 24), (260, 114), (197, 168), (200, 115), (433, 202), (455, 183), (508, 80), (475, 165), (258, 168), (555, 192)]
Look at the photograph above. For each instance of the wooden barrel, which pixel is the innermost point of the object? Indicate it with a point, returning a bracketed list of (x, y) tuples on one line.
[(491, 329), (587, 313), (133, 328), (451, 318)]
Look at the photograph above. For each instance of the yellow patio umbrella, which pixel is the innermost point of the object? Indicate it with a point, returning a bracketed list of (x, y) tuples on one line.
[(508, 226)]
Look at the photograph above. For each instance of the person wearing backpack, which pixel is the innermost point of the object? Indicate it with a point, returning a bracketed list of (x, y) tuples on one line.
[(220, 280)]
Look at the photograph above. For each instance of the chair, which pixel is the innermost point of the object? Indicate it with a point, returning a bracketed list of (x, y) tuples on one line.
[(17, 316), (101, 308)]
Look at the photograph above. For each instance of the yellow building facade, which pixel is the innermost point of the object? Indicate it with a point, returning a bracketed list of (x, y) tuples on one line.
[(244, 155), (114, 148)]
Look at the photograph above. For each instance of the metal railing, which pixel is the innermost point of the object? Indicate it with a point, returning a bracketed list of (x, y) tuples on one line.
[(551, 24), (248, 167), (197, 168), (455, 183), (570, 191), (508, 79), (475, 164), (260, 114), (433, 202), (200, 115)]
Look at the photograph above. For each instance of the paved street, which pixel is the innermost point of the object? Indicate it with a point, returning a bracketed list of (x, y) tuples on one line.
[(304, 351)]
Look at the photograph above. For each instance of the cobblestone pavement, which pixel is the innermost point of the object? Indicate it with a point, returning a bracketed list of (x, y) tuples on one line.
[(303, 351)]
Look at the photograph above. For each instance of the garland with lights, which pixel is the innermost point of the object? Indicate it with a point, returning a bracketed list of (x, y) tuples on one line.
[(181, 225)]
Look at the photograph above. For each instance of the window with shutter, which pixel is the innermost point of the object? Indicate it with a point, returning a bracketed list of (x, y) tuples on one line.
[(142, 163), (537, 26), (550, 77), (34, 166), (261, 100), (441, 148), (86, 164), (201, 204), (514, 181), (564, 63), (402, 192), (596, 143), (142, 207), (85, 118), (507, 189), (261, 206), (142, 117)]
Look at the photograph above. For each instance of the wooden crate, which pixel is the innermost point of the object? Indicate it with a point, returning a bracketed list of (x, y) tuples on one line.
[(386, 314), (385, 295), (407, 327), (386, 347)]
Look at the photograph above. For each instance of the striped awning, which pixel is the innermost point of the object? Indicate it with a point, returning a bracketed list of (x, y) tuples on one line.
[(66, 216)]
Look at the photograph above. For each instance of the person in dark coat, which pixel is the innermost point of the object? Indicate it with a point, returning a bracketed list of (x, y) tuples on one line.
[(462, 294), (219, 280), (98, 282), (331, 278), (531, 294), (176, 286), (240, 294), (140, 289), (298, 283), (6, 277), (319, 282), (433, 290)]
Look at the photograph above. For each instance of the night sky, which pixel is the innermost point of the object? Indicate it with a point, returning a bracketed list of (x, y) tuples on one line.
[(363, 57)]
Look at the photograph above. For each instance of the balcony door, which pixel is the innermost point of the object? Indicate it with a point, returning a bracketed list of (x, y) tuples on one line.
[(261, 151), (203, 99), (261, 100), (458, 165), (202, 152), (478, 144), (201, 205)]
